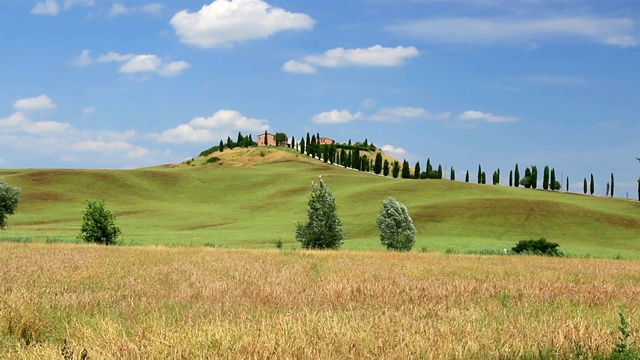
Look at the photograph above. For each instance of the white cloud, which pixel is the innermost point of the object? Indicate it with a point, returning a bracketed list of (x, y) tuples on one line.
[(393, 150), (472, 115), (335, 117), (110, 147), (340, 57), (173, 68), (84, 59), (37, 103), (115, 57), (297, 67), (19, 122), (118, 9), (154, 8), (47, 7), (216, 127), (395, 114), (224, 22), (608, 31), (68, 4), (89, 110), (557, 80)]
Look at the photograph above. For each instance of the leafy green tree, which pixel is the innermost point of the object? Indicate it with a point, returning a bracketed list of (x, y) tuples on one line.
[(397, 231), (526, 180), (98, 224), (545, 178), (406, 171), (323, 230), (592, 186), (516, 179), (377, 167), (466, 177), (612, 185), (585, 186), (280, 138), (221, 146), (416, 170), (453, 174), (396, 169), (385, 168), (537, 247), (9, 199)]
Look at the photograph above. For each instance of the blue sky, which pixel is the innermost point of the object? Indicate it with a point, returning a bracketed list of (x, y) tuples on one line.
[(125, 84)]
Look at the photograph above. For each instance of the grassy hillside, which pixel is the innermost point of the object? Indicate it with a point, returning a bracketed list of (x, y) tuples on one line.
[(253, 203)]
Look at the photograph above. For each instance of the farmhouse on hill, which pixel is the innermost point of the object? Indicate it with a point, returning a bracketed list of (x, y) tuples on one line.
[(271, 140), (327, 141)]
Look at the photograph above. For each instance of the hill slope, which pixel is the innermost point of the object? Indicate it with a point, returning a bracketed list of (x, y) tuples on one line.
[(255, 205)]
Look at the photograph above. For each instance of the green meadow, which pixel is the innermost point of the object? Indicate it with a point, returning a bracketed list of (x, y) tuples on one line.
[(237, 202)]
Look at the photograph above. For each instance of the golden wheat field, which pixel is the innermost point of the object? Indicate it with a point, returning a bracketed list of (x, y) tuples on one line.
[(201, 303)]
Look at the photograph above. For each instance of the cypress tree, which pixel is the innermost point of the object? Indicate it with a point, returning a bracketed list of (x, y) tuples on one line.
[(229, 143), (333, 152), (607, 191), (396, 169), (429, 167), (343, 157), (496, 178), (592, 186), (416, 170), (406, 172), (453, 174), (545, 178), (308, 144), (240, 140), (356, 162), (585, 186), (484, 178), (516, 180), (385, 168), (312, 147), (325, 153), (511, 178), (439, 171), (611, 184), (552, 182), (534, 177), (466, 177), (567, 188), (302, 149), (377, 167), (526, 180), (293, 142), (266, 138), (479, 174), (221, 146)]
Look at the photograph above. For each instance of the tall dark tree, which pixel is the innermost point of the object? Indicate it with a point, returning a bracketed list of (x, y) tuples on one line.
[(545, 178), (221, 146), (534, 172), (439, 171), (612, 185), (325, 152), (333, 152), (496, 178), (607, 191), (479, 174), (377, 167), (343, 157), (567, 188), (585, 186), (356, 160), (266, 138), (406, 171), (466, 177), (429, 168), (396, 169), (592, 186), (229, 143), (240, 142), (526, 180), (385, 167), (453, 174), (553, 183), (416, 170), (302, 148), (511, 178), (516, 179), (308, 144), (484, 178), (293, 142)]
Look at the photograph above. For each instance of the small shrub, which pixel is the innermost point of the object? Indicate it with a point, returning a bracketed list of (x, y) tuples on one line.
[(624, 349), (537, 247), (262, 154), (213, 159), (451, 251), (424, 249), (278, 244)]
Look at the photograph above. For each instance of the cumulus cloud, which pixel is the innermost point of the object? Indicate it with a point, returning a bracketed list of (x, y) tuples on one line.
[(207, 129), (68, 4), (607, 31), (393, 150), (47, 7), (110, 147), (395, 114), (472, 115), (118, 9), (339, 57), (225, 22), (84, 59), (89, 110), (144, 63), (19, 122), (37, 103), (115, 57)]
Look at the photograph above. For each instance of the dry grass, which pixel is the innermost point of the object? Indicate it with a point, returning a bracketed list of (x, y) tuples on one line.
[(186, 303)]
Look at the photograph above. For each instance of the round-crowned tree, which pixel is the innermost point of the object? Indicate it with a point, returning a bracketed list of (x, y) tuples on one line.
[(396, 226), (98, 224), (324, 228), (9, 199)]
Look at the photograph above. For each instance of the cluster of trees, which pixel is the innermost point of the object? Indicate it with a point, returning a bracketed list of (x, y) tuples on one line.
[(323, 230), (242, 142)]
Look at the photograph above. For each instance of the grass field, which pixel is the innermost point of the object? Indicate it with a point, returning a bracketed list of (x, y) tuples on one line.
[(252, 198), (194, 303)]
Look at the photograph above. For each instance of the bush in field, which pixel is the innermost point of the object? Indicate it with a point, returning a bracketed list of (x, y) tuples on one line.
[(324, 228), (396, 226), (98, 224), (9, 199), (537, 247)]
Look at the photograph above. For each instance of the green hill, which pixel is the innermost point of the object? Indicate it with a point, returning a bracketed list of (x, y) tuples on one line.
[(253, 197)]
